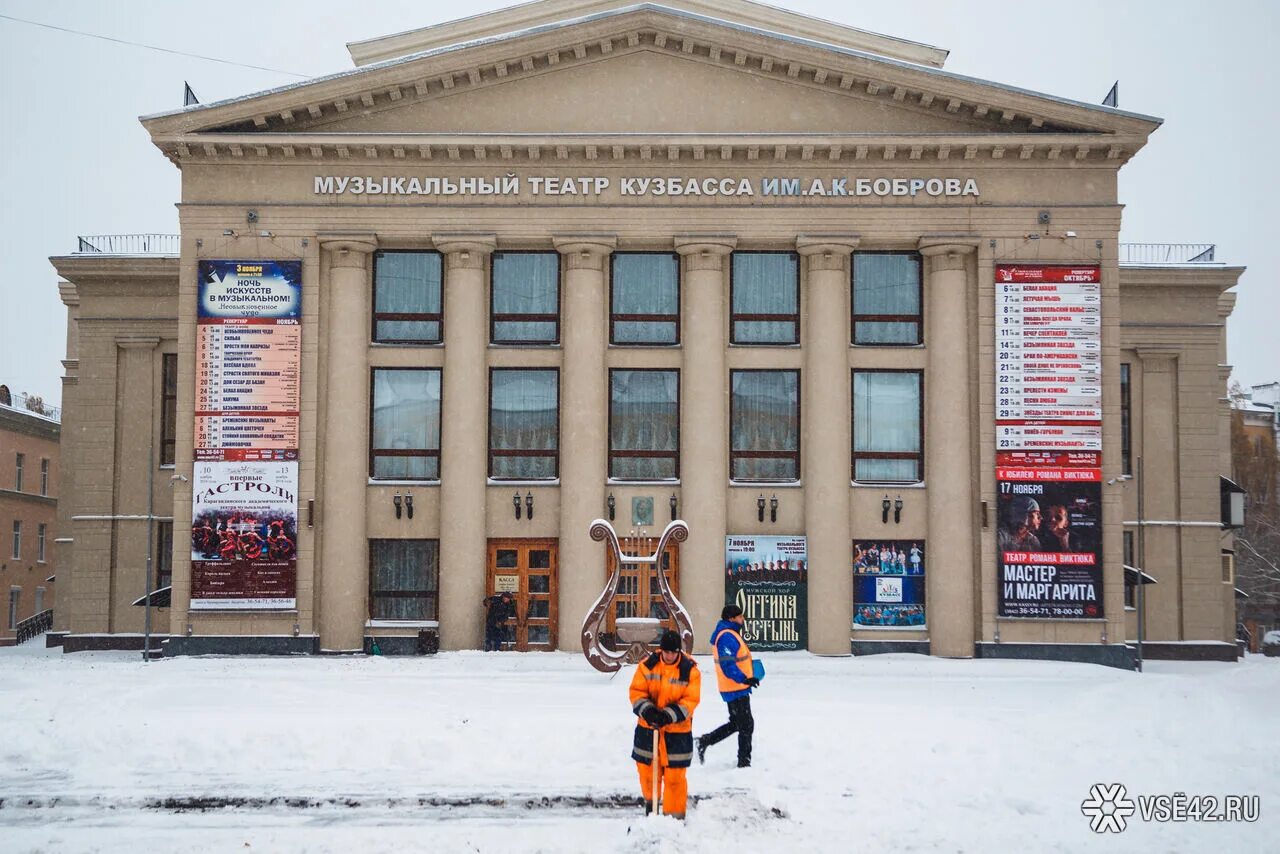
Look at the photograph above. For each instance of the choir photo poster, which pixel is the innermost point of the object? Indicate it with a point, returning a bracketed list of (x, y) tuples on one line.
[(889, 584), (768, 578)]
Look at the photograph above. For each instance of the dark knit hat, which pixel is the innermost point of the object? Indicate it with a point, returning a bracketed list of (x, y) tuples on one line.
[(730, 612), (670, 641)]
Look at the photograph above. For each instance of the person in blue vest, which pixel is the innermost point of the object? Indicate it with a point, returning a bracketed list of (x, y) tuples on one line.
[(734, 674)]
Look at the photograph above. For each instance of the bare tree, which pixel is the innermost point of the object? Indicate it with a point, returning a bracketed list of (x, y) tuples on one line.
[(1256, 468)]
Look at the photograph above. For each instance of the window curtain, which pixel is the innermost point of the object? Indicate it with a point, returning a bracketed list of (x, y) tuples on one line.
[(524, 416), (766, 408), (886, 418), (526, 283), (886, 284), (404, 566), (645, 284), (407, 283), (765, 283), (645, 416), (406, 416)]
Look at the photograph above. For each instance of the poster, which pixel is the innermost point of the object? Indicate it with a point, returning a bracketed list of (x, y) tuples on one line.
[(247, 401), (244, 534), (889, 584), (768, 578)]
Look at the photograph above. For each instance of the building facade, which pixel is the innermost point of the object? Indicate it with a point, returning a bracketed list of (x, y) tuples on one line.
[(29, 444), (431, 317)]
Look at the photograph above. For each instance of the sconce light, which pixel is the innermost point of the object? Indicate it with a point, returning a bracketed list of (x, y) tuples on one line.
[(884, 510), (760, 507), (528, 504), (897, 510), (395, 499), (773, 508), (408, 503), (515, 502), (228, 232), (613, 506), (672, 502), (264, 233)]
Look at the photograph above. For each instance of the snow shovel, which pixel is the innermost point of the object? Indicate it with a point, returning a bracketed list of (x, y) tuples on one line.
[(656, 770)]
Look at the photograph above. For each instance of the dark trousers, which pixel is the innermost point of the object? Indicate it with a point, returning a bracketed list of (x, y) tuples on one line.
[(741, 722), (494, 637)]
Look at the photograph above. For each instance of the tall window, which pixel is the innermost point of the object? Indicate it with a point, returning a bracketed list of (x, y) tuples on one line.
[(644, 424), (765, 298), (404, 579), (1126, 420), (168, 408), (407, 298), (19, 463), (888, 426), (44, 476), (17, 540), (524, 424), (15, 595), (525, 298), (164, 555), (644, 302), (764, 419), (887, 298), (404, 437), (1130, 578), (40, 532)]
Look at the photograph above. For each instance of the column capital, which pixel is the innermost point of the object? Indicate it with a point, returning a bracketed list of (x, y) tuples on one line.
[(585, 251), (466, 250), (947, 251), (137, 342), (349, 249), (705, 251), (827, 251), (1157, 359)]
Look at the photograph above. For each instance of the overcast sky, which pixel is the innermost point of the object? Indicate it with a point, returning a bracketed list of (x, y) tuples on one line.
[(74, 159)]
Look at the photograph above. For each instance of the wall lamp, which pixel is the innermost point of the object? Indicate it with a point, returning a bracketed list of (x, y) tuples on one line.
[(612, 505), (897, 510), (672, 502), (408, 503), (760, 507), (884, 510), (395, 499), (773, 508), (515, 502), (228, 232), (528, 504)]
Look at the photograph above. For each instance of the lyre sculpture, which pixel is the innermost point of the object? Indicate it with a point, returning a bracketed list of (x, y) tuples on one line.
[(635, 633)]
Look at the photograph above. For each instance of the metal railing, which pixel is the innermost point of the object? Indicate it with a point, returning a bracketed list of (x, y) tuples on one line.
[(30, 403), (33, 627), (129, 244), (1167, 253)]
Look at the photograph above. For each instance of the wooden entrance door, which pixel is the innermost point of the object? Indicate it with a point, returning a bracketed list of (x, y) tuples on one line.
[(527, 569), (638, 592)]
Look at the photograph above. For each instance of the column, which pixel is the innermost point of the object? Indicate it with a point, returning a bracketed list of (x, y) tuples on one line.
[(826, 446), (343, 576), (464, 450), (949, 451), (704, 427), (584, 421), (136, 447), (1159, 553)]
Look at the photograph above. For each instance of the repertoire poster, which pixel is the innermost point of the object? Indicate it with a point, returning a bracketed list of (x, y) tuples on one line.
[(889, 584), (768, 577)]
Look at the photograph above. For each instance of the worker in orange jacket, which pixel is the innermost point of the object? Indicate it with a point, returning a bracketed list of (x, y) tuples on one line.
[(665, 690)]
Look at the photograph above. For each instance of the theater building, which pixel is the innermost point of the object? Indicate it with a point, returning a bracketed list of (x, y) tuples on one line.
[(867, 326)]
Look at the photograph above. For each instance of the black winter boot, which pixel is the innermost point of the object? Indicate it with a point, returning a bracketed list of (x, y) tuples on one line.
[(702, 750)]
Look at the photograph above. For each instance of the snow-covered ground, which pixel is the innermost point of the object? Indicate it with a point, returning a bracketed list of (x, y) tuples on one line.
[(869, 754)]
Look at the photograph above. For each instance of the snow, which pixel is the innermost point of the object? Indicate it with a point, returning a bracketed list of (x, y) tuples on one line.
[(891, 752)]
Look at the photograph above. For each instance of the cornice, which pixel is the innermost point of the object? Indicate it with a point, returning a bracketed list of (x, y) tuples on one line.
[(1217, 278), (82, 270)]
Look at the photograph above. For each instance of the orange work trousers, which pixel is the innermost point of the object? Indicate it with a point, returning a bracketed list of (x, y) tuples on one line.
[(673, 788)]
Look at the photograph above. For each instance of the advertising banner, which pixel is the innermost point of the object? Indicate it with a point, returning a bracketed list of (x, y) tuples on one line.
[(247, 402), (768, 578), (889, 584), (244, 530)]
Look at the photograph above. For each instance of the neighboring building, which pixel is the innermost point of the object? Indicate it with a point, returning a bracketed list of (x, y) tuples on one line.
[(29, 437), (432, 316), (1257, 469)]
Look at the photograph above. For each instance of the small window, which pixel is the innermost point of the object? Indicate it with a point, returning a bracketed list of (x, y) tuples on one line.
[(404, 579), (764, 419), (44, 477), (408, 298), (168, 408), (1130, 585), (19, 464), (888, 426), (887, 298), (404, 439), (524, 424), (40, 535), (644, 301), (17, 540), (644, 424), (765, 295), (1126, 420), (39, 601), (525, 298), (15, 597), (1228, 567), (164, 555)]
